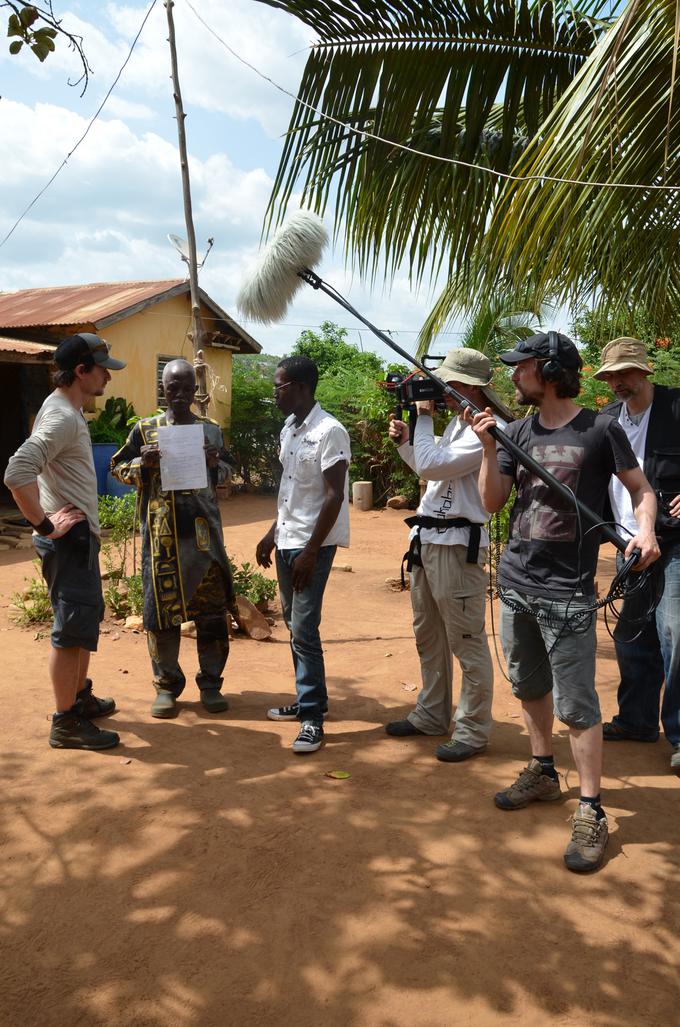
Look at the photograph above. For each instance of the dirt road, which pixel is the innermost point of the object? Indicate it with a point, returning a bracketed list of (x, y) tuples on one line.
[(201, 875)]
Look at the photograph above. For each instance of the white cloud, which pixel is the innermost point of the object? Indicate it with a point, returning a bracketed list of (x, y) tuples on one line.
[(106, 216), (211, 78)]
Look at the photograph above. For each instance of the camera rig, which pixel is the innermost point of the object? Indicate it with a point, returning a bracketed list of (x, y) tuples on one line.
[(411, 388)]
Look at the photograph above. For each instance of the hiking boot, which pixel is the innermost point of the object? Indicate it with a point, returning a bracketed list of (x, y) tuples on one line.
[(92, 706), (310, 737), (213, 700), (71, 730), (164, 705), (611, 732), (291, 712), (456, 752), (675, 760), (589, 838), (402, 729), (532, 785)]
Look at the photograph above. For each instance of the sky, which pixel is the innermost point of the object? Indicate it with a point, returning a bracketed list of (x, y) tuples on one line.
[(107, 215)]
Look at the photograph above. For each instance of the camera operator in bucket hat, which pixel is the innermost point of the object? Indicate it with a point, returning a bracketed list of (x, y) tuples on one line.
[(650, 416), (446, 561)]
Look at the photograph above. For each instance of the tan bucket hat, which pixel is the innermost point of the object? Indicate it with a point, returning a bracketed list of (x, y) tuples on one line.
[(621, 355), (471, 367)]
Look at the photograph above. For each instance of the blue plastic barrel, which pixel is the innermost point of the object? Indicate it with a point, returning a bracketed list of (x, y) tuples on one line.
[(102, 453)]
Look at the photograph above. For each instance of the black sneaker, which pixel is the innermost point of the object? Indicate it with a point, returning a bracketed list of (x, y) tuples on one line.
[(291, 712), (310, 737), (92, 706), (71, 730)]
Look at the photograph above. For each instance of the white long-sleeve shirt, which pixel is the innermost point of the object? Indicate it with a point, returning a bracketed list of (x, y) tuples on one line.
[(450, 466)]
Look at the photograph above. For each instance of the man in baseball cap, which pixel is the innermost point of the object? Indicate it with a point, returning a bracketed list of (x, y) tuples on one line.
[(545, 575), (650, 416), (53, 482), (545, 346), (87, 349)]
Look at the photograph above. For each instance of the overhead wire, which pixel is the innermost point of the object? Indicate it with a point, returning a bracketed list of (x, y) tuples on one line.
[(85, 133), (365, 134)]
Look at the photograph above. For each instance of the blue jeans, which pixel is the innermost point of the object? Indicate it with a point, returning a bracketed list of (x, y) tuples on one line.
[(646, 662), (302, 614)]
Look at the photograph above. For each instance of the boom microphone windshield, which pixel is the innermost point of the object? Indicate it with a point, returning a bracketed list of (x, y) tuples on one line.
[(287, 262), (296, 246)]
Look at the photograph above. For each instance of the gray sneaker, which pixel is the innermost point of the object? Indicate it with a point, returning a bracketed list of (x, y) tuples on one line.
[(589, 838), (532, 785), (456, 752), (675, 760)]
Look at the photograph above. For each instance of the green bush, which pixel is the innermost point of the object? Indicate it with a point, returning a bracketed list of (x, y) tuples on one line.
[(113, 423), (250, 583), (117, 515), (33, 604), (124, 596)]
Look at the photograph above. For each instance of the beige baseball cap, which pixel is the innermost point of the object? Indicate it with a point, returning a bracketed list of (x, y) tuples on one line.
[(621, 355), (471, 367)]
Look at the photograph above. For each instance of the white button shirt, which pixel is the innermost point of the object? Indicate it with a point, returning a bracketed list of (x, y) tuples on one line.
[(307, 450)]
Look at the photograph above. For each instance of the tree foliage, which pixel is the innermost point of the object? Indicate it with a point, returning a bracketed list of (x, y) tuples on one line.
[(255, 421), (580, 100), (37, 27)]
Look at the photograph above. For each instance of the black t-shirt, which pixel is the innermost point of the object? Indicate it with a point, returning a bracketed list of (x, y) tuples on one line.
[(547, 552)]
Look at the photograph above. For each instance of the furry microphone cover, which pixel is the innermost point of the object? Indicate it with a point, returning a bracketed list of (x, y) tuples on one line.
[(267, 293)]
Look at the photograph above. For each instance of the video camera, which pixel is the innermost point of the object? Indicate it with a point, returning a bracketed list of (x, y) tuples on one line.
[(410, 389)]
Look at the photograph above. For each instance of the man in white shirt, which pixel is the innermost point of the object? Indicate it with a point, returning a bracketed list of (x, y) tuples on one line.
[(446, 562), (312, 521), (648, 655)]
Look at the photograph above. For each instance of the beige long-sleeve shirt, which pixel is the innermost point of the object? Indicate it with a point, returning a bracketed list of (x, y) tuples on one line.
[(58, 454)]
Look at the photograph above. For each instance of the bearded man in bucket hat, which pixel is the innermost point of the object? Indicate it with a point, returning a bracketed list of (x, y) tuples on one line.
[(650, 416), (446, 562)]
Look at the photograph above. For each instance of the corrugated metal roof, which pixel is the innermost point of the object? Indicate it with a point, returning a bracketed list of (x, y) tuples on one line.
[(99, 304), (31, 349), (76, 304)]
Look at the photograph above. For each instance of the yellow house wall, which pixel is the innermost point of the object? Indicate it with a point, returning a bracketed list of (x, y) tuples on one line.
[(160, 330)]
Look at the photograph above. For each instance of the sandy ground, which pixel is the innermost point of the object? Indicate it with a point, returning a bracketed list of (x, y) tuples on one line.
[(202, 874)]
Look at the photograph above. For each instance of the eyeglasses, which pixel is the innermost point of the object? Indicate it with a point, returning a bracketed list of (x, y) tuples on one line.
[(277, 388)]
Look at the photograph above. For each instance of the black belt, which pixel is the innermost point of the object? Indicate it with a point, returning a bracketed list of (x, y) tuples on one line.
[(413, 558)]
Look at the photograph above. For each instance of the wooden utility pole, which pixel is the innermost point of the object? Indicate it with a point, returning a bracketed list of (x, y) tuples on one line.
[(197, 330)]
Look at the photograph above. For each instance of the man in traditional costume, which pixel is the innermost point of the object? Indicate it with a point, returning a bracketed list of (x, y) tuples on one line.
[(185, 570)]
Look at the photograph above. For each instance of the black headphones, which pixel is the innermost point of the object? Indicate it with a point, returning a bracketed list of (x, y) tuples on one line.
[(552, 370)]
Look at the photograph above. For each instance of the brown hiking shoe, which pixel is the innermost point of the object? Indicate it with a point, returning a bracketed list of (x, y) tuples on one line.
[(532, 785), (589, 838)]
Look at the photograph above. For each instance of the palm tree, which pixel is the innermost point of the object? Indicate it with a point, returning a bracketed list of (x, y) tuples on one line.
[(462, 81), (544, 90)]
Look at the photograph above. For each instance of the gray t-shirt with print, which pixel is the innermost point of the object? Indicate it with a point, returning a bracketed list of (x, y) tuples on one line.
[(550, 552)]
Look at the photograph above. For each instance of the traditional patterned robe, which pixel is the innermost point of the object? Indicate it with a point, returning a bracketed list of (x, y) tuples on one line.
[(185, 571)]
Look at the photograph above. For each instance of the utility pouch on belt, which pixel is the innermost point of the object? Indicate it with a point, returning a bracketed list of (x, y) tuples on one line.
[(412, 557)]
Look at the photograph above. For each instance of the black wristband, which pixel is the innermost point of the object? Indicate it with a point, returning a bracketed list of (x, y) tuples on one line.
[(45, 527)]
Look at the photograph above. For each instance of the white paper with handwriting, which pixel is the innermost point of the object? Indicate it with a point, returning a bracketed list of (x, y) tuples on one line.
[(183, 463)]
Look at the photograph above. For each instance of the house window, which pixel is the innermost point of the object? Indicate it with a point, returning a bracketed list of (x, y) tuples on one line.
[(160, 367)]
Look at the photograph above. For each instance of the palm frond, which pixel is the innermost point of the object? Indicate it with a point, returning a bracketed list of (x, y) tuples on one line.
[(619, 122), (457, 79)]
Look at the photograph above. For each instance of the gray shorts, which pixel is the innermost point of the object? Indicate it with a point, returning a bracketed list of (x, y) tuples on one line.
[(545, 657), (70, 567)]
